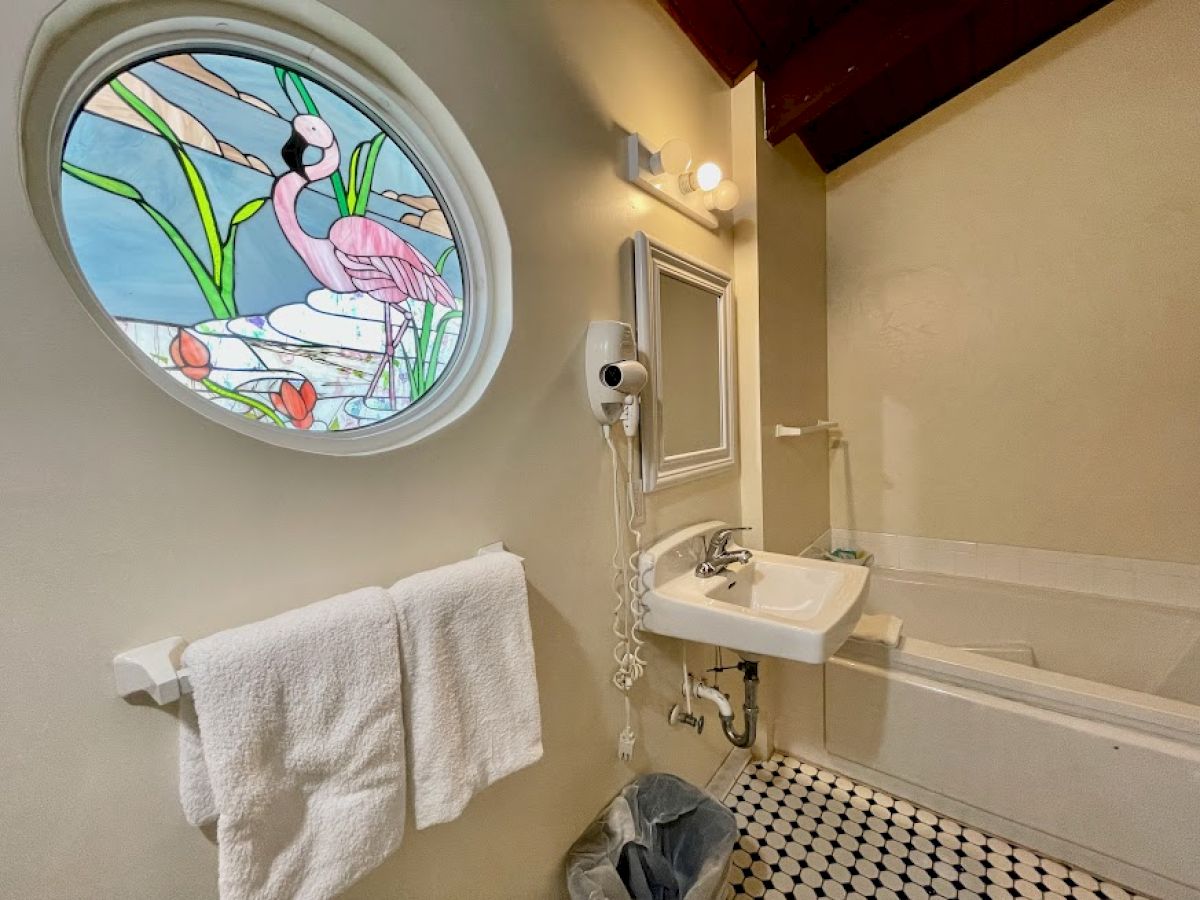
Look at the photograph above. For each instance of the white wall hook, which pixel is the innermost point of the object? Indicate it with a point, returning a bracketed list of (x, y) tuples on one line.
[(152, 669), (790, 431)]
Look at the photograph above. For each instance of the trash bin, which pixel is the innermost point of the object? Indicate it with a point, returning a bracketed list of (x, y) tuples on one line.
[(660, 839)]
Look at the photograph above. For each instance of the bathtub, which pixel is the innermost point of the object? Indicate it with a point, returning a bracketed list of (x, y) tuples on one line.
[(1073, 716)]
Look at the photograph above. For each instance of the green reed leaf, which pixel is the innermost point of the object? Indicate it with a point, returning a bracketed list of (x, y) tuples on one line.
[(440, 265), (368, 175), (246, 210), (352, 188), (104, 182), (431, 365), (191, 173)]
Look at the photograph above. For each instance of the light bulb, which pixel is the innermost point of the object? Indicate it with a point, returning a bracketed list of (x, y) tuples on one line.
[(673, 158), (724, 196), (708, 176)]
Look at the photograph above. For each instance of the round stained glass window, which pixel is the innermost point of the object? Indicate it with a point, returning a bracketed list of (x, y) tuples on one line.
[(265, 241)]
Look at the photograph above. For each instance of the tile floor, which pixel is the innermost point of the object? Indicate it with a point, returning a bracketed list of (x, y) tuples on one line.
[(808, 833)]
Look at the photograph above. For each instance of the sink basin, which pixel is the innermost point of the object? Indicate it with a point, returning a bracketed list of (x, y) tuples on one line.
[(775, 605)]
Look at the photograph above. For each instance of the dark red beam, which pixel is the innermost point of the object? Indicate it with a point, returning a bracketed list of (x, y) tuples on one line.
[(846, 74), (871, 38), (720, 32)]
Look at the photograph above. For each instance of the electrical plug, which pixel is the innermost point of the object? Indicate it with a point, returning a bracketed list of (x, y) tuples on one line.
[(631, 416), (625, 743)]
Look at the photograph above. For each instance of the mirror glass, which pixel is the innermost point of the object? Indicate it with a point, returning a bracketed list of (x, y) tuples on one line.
[(689, 366)]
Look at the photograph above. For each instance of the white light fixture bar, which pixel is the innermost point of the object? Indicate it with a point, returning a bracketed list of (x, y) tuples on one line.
[(664, 186)]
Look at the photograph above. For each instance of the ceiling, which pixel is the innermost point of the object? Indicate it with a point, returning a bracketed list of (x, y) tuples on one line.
[(845, 74)]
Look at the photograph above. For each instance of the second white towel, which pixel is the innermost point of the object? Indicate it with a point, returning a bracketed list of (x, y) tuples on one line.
[(470, 690)]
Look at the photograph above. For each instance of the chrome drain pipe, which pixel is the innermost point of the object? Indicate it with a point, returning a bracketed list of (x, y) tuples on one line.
[(749, 670)]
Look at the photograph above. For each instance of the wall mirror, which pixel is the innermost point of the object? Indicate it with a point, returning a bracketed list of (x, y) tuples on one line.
[(685, 336)]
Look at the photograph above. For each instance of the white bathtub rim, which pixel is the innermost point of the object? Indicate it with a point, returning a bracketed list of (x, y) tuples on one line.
[(1041, 688), (1031, 591)]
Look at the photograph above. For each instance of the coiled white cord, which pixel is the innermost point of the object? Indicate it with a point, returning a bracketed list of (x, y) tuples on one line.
[(627, 591), (636, 587), (627, 663)]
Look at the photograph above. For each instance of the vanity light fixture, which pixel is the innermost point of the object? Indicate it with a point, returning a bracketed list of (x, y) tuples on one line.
[(667, 174)]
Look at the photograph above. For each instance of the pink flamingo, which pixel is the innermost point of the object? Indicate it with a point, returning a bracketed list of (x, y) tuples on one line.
[(359, 254)]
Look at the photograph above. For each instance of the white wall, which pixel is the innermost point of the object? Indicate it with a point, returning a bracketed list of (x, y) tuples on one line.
[(124, 517), (1013, 318)]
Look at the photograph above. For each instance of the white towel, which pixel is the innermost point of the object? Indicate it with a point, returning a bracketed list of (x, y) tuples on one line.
[(195, 789), (470, 690), (881, 628), (300, 752)]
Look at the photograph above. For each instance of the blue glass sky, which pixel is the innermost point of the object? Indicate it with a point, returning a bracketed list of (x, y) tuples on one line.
[(133, 268)]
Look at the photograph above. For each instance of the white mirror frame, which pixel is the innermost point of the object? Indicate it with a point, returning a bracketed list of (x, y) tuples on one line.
[(82, 41), (653, 259)]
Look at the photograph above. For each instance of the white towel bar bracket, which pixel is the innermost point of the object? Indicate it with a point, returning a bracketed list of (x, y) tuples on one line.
[(155, 669)]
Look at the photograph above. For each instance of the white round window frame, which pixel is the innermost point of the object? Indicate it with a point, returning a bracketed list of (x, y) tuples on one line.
[(84, 41)]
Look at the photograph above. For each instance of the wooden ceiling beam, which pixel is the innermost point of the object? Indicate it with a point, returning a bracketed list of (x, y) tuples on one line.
[(846, 74), (857, 48), (783, 25), (720, 32), (989, 39)]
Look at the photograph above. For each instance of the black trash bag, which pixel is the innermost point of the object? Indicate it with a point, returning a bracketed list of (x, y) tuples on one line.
[(660, 839)]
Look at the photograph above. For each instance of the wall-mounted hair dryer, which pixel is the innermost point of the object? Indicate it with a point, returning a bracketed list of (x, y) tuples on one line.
[(614, 375), (614, 379)]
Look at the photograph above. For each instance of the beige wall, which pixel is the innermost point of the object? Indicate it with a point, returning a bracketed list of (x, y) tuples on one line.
[(779, 250), (779, 245), (1014, 325), (792, 358), (124, 517)]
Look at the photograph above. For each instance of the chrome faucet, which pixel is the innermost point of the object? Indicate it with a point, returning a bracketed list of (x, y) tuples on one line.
[(717, 556)]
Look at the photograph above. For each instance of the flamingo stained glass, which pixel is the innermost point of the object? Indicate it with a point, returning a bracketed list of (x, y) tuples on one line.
[(264, 240)]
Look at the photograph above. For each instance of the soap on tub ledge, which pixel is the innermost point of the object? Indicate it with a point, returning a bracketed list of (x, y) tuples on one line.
[(878, 628)]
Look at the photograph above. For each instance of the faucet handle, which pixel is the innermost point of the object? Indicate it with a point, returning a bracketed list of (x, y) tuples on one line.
[(721, 537)]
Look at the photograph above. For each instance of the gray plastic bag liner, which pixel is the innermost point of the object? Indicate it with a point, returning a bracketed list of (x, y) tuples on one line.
[(660, 839)]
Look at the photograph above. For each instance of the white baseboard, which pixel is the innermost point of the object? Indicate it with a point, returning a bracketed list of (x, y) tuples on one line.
[(727, 773)]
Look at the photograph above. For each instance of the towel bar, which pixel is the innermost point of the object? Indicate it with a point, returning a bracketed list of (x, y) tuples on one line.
[(154, 669)]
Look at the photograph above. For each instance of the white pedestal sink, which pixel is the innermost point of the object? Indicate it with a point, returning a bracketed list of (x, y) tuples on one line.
[(776, 605)]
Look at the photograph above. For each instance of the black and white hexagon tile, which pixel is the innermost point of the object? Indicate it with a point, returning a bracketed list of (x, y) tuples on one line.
[(808, 833)]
